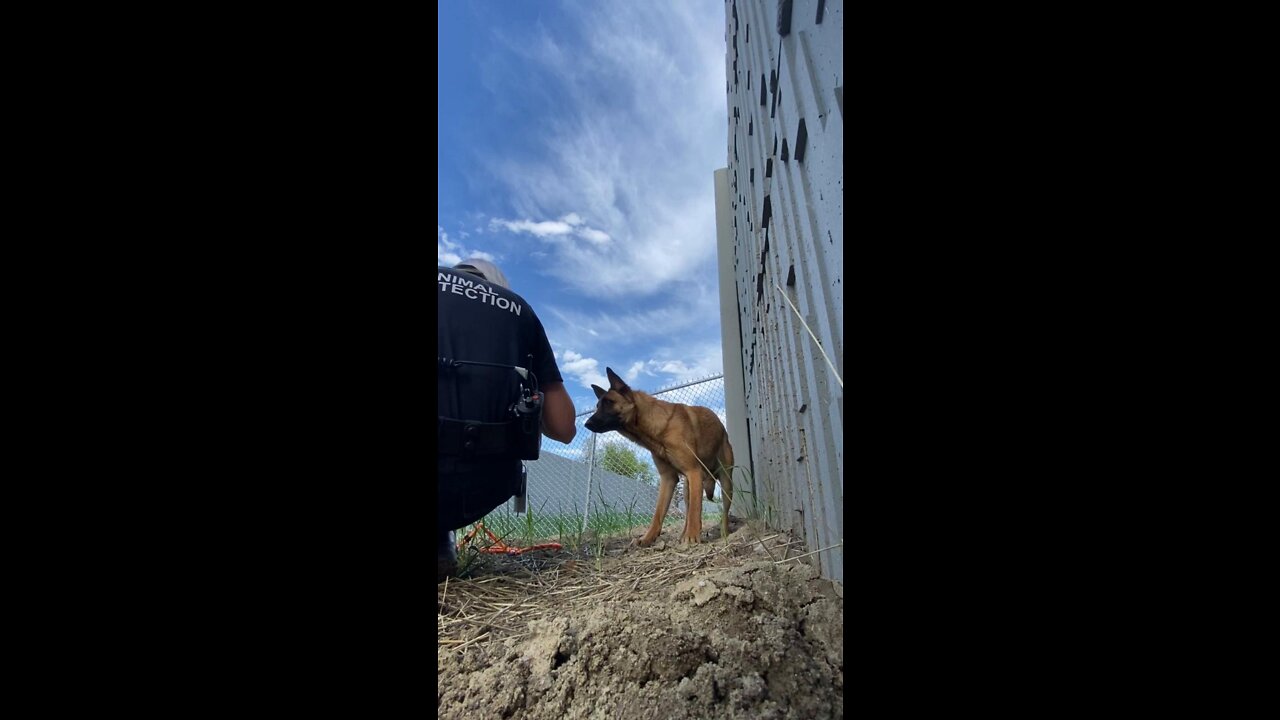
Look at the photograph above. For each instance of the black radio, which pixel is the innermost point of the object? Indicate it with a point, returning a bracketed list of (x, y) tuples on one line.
[(528, 413)]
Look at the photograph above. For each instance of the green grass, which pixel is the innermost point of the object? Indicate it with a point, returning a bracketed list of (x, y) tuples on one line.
[(535, 528), (566, 529), (752, 500)]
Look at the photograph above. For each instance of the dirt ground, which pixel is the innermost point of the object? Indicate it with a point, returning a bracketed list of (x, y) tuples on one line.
[(737, 629)]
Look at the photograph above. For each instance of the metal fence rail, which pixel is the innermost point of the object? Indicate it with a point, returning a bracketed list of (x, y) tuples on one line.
[(601, 480)]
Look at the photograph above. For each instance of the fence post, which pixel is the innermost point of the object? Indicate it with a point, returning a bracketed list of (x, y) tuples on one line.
[(591, 467), (735, 385)]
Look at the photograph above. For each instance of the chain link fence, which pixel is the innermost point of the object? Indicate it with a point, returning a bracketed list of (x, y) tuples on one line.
[(601, 480)]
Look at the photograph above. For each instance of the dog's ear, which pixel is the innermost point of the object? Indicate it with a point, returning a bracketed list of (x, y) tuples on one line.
[(599, 391), (615, 382)]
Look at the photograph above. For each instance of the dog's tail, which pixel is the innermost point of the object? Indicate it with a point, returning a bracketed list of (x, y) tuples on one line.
[(724, 471)]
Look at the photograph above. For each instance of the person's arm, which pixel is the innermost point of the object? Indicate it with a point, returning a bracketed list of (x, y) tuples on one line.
[(557, 413)]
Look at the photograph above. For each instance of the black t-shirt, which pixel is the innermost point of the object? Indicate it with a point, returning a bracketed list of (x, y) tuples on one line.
[(483, 322)]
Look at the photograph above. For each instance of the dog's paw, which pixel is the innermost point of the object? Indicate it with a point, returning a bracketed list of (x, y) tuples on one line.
[(642, 542)]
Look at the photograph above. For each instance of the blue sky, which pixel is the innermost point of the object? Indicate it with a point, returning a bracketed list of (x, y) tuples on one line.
[(577, 143)]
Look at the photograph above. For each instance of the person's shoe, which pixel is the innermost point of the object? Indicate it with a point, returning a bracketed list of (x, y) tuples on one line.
[(446, 557)]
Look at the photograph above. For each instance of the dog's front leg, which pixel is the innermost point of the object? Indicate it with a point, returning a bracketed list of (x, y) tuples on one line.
[(666, 489), (693, 507)]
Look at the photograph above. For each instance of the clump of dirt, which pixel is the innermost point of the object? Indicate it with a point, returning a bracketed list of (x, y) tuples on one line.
[(722, 629)]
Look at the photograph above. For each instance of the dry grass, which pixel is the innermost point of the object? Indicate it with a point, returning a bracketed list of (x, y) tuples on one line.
[(502, 594)]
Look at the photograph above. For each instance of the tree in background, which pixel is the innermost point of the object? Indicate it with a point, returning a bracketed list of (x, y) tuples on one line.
[(623, 460)]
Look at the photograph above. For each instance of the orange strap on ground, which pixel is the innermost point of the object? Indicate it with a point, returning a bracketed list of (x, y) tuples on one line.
[(500, 548)]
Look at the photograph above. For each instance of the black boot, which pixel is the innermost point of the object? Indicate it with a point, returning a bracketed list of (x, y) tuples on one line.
[(446, 556)]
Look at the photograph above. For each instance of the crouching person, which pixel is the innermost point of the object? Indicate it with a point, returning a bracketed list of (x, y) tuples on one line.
[(499, 392)]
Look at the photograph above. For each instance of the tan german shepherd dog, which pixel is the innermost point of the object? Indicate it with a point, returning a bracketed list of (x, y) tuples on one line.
[(686, 440)]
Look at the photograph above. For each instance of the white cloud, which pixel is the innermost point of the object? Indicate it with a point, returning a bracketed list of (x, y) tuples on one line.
[(594, 236), (673, 366), (678, 371), (450, 253), (642, 131), (553, 230), (445, 253), (689, 310), (612, 201), (633, 372), (697, 363), (584, 369), (544, 229)]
